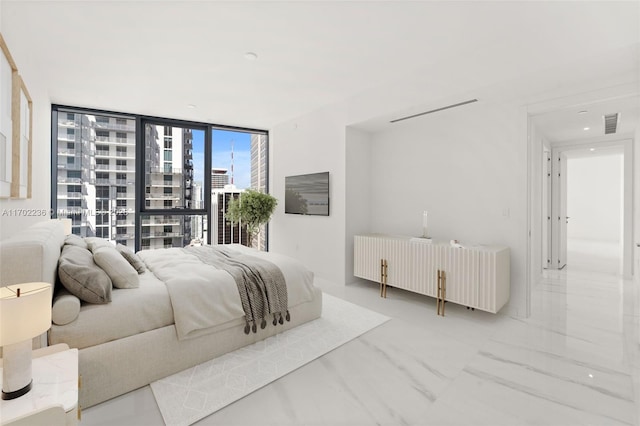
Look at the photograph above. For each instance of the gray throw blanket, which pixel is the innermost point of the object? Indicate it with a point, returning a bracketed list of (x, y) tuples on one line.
[(261, 285)]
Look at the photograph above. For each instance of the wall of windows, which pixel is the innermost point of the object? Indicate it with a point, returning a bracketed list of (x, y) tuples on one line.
[(148, 182)]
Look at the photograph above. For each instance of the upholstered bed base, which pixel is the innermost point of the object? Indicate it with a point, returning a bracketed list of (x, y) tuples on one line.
[(122, 365)]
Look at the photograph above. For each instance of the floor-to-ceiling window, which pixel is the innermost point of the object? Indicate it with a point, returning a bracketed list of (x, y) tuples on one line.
[(149, 182)]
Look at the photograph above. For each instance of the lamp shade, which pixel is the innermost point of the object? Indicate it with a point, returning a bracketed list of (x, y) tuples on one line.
[(25, 311)]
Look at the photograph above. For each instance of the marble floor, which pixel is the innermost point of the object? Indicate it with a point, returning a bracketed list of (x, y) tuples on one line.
[(575, 361)]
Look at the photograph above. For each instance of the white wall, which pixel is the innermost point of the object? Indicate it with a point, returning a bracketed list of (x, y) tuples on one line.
[(594, 198), (13, 217), (358, 191), (468, 168), (309, 144), (636, 205)]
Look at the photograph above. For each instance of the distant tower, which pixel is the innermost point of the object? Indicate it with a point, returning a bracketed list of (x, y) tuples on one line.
[(231, 161)]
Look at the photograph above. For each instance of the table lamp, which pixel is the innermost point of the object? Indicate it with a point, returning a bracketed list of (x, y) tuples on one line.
[(25, 312)]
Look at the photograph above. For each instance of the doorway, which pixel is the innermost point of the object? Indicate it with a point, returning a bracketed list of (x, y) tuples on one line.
[(594, 205), (590, 207)]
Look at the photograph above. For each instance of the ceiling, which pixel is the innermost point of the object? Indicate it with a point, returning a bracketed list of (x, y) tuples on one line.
[(586, 121), (379, 58)]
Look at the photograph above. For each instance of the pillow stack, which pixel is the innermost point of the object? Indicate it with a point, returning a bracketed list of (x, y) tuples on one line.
[(89, 267)]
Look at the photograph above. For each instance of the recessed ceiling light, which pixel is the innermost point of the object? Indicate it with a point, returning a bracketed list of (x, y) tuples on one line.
[(584, 111), (586, 128), (592, 149), (250, 56), (191, 106)]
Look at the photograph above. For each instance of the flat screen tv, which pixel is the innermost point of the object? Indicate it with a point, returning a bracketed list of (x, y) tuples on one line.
[(307, 194)]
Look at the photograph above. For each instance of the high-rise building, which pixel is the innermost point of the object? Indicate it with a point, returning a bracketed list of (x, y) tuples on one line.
[(219, 178), (259, 178), (223, 232), (96, 179), (169, 185), (96, 175), (258, 161)]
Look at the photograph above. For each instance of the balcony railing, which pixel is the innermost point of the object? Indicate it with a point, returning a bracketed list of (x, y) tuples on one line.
[(109, 139), (67, 123), (125, 236), (114, 126), (161, 222), (69, 180), (70, 166), (164, 197), (161, 234)]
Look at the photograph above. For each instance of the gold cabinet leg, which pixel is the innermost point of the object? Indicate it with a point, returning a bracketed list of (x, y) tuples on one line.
[(441, 295), (386, 276), (444, 290), (438, 292), (381, 277)]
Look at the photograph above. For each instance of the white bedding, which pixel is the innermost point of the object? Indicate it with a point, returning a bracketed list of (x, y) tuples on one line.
[(205, 299)]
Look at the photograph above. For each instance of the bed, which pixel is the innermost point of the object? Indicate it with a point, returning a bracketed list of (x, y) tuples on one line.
[(181, 311)]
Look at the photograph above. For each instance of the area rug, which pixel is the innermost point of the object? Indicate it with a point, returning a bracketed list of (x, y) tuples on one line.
[(197, 392)]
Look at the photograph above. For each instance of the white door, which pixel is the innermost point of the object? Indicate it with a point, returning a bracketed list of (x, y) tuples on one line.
[(546, 209), (559, 217), (564, 219)]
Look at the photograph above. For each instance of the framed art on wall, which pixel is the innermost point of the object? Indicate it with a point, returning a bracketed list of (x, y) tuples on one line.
[(15, 130)]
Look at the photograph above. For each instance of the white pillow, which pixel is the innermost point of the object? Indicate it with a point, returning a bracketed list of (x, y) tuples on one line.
[(66, 308), (122, 274)]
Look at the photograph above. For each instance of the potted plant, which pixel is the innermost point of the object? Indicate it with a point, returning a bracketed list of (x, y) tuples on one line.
[(252, 210)]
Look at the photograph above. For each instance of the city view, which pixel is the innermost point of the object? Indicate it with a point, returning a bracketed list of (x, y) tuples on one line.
[(96, 180)]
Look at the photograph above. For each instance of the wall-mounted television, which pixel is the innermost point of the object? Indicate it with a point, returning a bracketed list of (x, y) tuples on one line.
[(307, 194)]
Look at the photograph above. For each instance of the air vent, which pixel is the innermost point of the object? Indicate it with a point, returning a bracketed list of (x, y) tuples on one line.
[(434, 110), (611, 123)]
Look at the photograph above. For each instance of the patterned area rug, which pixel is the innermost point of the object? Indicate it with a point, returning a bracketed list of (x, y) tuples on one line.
[(193, 394)]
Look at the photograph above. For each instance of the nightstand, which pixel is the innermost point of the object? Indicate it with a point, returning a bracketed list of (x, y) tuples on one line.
[(53, 400)]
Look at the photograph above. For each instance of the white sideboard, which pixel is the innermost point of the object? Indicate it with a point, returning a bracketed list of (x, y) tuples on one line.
[(476, 277)]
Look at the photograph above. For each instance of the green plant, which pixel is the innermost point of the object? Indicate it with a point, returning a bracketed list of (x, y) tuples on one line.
[(252, 209)]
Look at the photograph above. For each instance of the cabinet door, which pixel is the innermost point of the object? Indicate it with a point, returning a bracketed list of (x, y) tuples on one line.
[(424, 258), (396, 253), (461, 267), (366, 257)]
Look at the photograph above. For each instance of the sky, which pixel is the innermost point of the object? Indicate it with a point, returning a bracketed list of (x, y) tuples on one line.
[(221, 155)]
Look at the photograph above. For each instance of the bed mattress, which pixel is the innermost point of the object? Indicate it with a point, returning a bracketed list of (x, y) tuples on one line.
[(131, 311)]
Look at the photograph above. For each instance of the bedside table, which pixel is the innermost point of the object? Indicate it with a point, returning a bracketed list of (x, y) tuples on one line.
[(53, 399)]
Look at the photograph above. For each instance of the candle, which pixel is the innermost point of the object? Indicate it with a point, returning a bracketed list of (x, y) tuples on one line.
[(424, 224)]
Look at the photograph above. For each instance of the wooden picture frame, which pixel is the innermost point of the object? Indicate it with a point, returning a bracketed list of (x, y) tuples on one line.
[(16, 124), (21, 147), (7, 70)]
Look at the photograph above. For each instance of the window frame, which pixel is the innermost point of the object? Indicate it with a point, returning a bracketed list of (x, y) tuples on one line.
[(140, 121)]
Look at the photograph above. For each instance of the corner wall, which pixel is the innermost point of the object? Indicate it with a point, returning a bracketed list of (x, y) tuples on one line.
[(358, 192), (312, 143)]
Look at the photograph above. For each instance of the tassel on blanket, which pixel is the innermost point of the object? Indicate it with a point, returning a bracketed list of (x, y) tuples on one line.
[(263, 324), (288, 317), (247, 328)]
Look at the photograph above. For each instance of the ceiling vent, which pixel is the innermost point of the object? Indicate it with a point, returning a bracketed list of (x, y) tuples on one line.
[(611, 123), (434, 110)]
